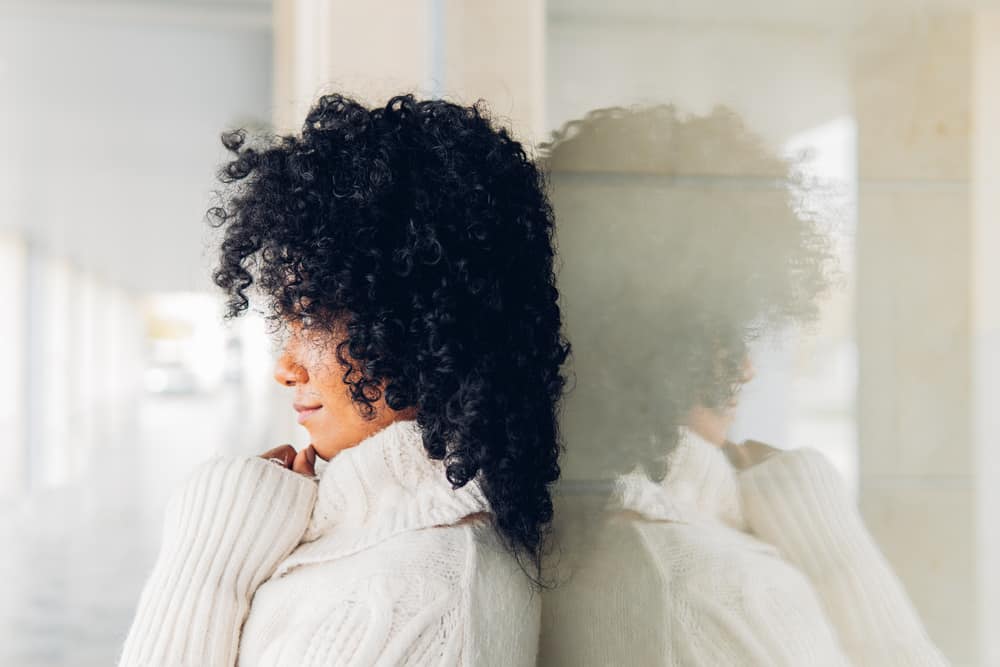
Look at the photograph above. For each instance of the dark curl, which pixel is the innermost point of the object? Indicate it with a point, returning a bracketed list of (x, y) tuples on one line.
[(424, 235)]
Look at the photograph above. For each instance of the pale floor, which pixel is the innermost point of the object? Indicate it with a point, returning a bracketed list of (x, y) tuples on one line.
[(76, 557)]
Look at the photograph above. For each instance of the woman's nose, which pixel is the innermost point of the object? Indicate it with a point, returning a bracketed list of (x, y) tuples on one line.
[(288, 373)]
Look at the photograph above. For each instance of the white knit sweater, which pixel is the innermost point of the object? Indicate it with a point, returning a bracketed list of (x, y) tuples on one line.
[(380, 563), (710, 566)]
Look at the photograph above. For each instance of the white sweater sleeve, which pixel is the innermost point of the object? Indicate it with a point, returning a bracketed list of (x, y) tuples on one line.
[(226, 528), (796, 501)]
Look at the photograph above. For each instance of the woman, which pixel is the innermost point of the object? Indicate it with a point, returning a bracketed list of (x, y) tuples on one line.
[(707, 552), (405, 252)]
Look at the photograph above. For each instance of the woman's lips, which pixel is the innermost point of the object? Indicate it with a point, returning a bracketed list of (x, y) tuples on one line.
[(306, 412)]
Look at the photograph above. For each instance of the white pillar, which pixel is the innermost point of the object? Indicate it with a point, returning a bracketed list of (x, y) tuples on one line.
[(496, 51), (13, 340), (449, 48)]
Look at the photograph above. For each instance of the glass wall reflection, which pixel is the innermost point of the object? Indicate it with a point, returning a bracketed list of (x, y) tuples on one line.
[(703, 549)]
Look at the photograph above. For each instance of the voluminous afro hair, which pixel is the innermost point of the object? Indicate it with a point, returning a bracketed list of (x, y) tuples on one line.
[(424, 234), (719, 241)]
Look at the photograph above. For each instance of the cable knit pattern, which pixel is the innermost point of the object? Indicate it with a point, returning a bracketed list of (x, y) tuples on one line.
[(380, 562), (711, 566)]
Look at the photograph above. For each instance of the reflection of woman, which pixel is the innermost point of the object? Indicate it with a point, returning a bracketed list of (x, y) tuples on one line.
[(406, 252), (710, 553)]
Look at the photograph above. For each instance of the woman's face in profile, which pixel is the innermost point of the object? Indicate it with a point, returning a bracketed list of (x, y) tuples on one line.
[(713, 423), (322, 399)]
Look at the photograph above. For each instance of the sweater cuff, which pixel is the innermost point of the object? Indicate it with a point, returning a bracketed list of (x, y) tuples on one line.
[(797, 501), (226, 528)]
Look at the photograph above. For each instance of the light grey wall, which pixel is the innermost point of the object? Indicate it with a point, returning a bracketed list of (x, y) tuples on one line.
[(109, 127)]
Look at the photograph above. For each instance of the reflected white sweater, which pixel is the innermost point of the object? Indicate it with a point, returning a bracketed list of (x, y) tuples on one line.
[(769, 566), (381, 562)]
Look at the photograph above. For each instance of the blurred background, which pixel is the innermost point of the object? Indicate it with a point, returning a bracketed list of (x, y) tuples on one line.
[(120, 374)]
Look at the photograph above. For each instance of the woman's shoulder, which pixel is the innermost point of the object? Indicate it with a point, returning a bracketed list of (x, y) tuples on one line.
[(454, 587), (468, 555), (451, 554)]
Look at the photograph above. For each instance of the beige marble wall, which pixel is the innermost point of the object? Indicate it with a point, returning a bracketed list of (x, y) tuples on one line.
[(985, 276), (927, 243)]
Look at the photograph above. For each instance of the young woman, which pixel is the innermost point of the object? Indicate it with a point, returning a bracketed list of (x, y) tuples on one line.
[(707, 552), (406, 254)]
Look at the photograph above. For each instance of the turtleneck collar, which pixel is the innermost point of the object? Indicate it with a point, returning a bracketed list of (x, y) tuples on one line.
[(383, 486), (700, 484)]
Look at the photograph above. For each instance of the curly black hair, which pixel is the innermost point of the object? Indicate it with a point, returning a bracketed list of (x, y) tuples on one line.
[(425, 233)]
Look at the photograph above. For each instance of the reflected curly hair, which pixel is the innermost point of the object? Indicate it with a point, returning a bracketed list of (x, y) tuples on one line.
[(425, 235), (754, 255)]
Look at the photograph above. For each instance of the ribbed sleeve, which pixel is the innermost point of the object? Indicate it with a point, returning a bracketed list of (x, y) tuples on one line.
[(226, 528), (796, 501)]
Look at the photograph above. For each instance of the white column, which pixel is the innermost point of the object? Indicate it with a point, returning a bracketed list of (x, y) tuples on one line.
[(366, 49), (13, 293), (449, 48), (496, 50)]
